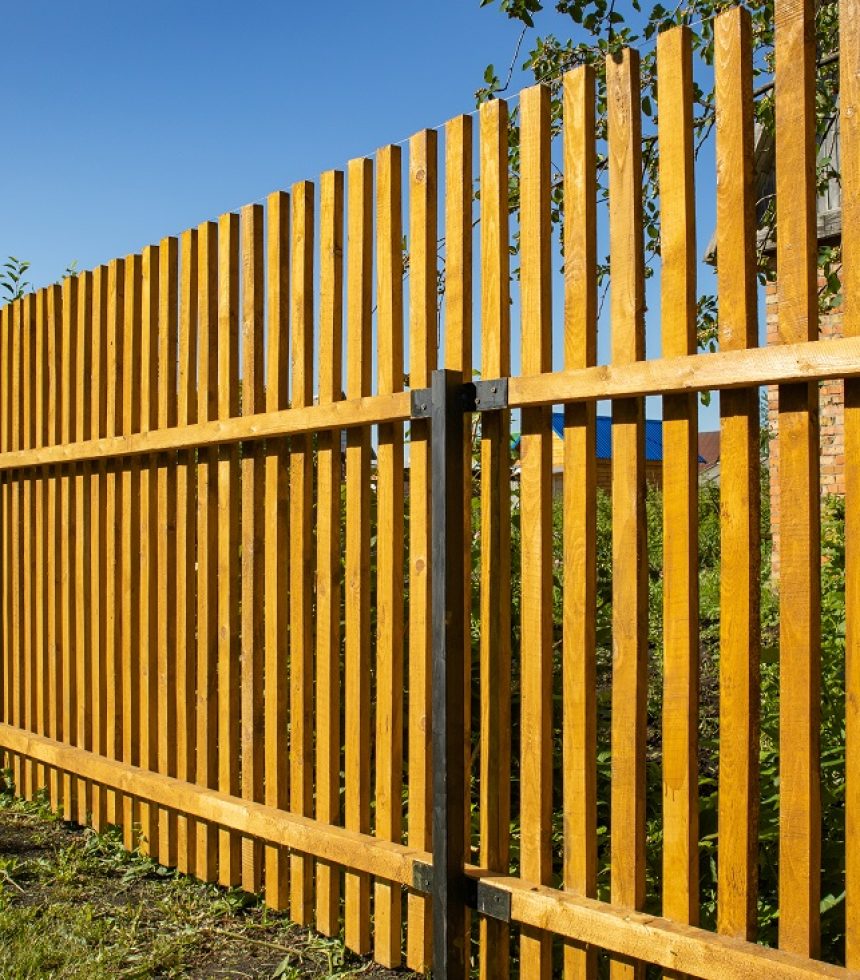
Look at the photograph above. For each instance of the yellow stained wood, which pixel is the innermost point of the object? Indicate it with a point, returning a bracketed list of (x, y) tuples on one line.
[(15, 556), (5, 390), (83, 608), (535, 518), (67, 528), (55, 313), (849, 121), (579, 696), (39, 558), (130, 527), (186, 598), (97, 559), (301, 543), (423, 266), (29, 690), (228, 539), (206, 770), (277, 549), (458, 357), (799, 518), (328, 530), (389, 547), (251, 220), (148, 631), (166, 631), (357, 560), (629, 556), (739, 521), (680, 485), (495, 650)]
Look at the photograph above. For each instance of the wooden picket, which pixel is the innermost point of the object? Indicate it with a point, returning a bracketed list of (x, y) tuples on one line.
[(226, 591)]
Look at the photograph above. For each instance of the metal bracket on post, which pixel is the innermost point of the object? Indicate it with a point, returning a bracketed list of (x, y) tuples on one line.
[(447, 618)]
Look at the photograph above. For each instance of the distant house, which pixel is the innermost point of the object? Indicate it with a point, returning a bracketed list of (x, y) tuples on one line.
[(653, 451)]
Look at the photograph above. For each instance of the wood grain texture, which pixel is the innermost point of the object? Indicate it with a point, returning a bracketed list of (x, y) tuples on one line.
[(301, 542), (495, 643), (207, 541), (629, 554), (849, 121), (98, 578), (186, 550), (40, 376), (277, 548), (83, 606), (228, 539), (359, 256), (28, 716), (67, 528), (329, 546), (680, 485), (799, 543), (165, 538), (129, 520), (739, 519), (579, 527), (148, 627), (253, 625), (536, 518), (389, 547), (423, 233)]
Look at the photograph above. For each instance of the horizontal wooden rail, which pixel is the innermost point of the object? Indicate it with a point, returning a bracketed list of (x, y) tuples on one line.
[(352, 413), (724, 370), (681, 948)]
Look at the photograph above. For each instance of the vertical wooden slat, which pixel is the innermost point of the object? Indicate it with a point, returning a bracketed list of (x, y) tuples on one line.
[(168, 314), (328, 527), (207, 771), (186, 596), (39, 558), (67, 530), (495, 778), (16, 646), (629, 556), (799, 546), (389, 547), (739, 484), (148, 631), (357, 571), (130, 529), (55, 307), (29, 323), (98, 577), (536, 517), (301, 543), (458, 357), (252, 532), (680, 485), (228, 538), (849, 121), (423, 205), (83, 607), (579, 487), (276, 538), (6, 327)]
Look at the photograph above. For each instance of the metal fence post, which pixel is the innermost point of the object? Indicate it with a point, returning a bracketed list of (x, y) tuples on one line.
[(447, 540)]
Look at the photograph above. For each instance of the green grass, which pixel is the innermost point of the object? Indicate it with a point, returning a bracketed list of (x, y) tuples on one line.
[(75, 904)]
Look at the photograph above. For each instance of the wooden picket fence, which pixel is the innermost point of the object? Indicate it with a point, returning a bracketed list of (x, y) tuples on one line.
[(197, 647)]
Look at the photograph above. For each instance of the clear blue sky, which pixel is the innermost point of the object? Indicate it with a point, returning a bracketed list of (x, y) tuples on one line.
[(125, 122)]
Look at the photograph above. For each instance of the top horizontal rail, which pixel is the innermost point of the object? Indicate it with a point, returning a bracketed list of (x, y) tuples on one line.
[(723, 370)]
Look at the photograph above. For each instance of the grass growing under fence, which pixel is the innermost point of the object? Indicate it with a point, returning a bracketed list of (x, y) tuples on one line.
[(74, 904)]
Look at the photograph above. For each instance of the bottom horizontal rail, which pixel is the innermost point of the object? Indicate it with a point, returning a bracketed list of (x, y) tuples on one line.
[(671, 945)]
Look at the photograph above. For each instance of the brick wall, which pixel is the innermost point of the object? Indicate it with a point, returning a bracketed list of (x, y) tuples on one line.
[(831, 411)]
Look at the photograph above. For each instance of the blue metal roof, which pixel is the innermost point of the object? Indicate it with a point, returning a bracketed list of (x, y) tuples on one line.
[(653, 436)]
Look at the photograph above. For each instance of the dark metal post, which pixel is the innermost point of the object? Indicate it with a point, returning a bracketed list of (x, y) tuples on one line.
[(447, 540)]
